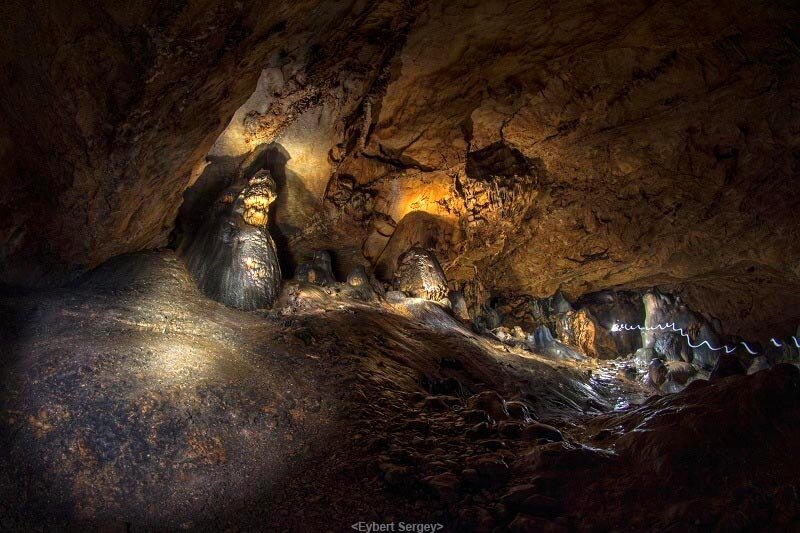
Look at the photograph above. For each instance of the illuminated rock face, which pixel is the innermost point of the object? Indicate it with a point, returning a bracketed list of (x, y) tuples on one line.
[(418, 274), (546, 147), (581, 329), (232, 257), (661, 310), (257, 197)]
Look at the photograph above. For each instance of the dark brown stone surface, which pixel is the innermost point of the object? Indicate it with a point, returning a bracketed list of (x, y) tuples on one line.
[(577, 146)]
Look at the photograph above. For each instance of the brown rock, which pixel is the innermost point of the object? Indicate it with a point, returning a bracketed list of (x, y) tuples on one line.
[(581, 330), (509, 429), (518, 494), (491, 468), (444, 485), (540, 505), (523, 523), (418, 274), (475, 415), (490, 402), (538, 430), (435, 403), (520, 411), (394, 475), (478, 430), (476, 519)]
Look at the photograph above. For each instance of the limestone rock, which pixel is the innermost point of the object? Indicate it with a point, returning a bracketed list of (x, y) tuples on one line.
[(663, 315), (317, 271), (492, 468), (611, 307), (758, 364), (572, 146), (657, 372), (418, 274), (538, 430), (260, 192), (727, 365), (582, 330), (489, 402), (445, 486), (542, 342), (520, 410), (232, 260), (459, 305), (359, 285)]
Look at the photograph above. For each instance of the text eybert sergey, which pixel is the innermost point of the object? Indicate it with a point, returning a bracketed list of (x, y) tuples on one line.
[(375, 527)]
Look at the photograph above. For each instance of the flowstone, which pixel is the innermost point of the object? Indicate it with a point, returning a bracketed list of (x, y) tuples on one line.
[(232, 257)]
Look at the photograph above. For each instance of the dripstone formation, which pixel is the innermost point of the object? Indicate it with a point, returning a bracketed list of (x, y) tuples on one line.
[(418, 274), (497, 266), (232, 257)]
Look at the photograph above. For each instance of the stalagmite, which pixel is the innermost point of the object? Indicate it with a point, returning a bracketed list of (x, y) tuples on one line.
[(232, 257)]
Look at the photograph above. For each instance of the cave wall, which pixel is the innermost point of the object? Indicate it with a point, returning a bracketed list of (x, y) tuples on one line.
[(573, 146), (110, 109), (665, 131)]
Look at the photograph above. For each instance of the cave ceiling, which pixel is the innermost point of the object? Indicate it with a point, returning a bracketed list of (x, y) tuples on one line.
[(536, 147)]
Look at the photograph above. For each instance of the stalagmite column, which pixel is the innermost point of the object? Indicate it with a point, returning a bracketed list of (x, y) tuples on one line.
[(233, 257)]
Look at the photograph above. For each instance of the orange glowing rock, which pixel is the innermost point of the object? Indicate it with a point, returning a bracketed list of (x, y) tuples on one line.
[(257, 197)]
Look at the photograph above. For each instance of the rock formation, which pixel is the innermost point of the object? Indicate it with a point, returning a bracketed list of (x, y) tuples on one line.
[(565, 236), (232, 256), (582, 330), (418, 274), (547, 166), (662, 310), (318, 270)]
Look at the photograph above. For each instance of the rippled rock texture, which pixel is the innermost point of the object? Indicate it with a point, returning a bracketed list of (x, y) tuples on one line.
[(129, 400), (130, 397), (232, 256)]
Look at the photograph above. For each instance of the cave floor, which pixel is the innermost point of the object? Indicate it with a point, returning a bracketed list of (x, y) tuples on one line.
[(131, 401)]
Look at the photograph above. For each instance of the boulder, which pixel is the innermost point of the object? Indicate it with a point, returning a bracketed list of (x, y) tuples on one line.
[(542, 342), (492, 468), (475, 416), (538, 430), (418, 274), (477, 431), (491, 403), (511, 429), (520, 410), (727, 365), (610, 307), (359, 285), (444, 486), (518, 494), (660, 310), (657, 373), (458, 305), (758, 364)]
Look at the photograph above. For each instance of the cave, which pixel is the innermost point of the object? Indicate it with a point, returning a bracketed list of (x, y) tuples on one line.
[(390, 265)]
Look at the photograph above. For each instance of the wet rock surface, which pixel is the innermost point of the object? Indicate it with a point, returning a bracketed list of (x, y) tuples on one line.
[(164, 388), (232, 256)]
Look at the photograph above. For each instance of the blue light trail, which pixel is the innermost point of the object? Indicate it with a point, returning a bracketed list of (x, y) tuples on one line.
[(670, 326)]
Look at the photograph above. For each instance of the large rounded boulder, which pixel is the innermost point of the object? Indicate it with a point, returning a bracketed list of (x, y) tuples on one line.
[(419, 274)]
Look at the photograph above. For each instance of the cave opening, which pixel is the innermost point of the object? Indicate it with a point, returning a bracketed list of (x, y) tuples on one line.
[(391, 266)]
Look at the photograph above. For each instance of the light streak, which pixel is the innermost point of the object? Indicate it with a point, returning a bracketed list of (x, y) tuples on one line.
[(670, 326)]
